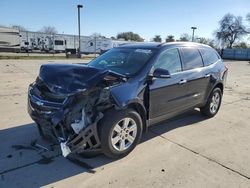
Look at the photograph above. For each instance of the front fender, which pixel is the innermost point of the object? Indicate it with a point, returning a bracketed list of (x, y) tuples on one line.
[(128, 93)]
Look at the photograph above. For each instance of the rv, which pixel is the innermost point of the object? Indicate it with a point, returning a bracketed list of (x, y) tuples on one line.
[(71, 43), (9, 40), (59, 44), (36, 41), (91, 45), (27, 41)]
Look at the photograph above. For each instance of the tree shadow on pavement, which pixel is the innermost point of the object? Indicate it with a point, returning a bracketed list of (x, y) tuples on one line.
[(23, 165)]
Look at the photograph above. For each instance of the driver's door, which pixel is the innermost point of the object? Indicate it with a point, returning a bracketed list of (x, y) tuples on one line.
[(167, 96)]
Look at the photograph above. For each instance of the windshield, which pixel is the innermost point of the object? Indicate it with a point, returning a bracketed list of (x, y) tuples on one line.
[(122, 60)]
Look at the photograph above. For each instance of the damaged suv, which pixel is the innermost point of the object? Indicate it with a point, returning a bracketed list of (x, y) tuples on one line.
[(107, 104)]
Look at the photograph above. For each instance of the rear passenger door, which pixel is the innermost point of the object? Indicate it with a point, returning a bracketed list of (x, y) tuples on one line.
[(197, 77)]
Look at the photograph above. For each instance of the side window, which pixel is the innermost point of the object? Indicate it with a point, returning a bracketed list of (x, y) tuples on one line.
[(169, 60), (209, 56), (191, 58), (58, 42)]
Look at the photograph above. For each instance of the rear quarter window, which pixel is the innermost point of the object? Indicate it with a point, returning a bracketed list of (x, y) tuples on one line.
[(191, 58), (209, 56)]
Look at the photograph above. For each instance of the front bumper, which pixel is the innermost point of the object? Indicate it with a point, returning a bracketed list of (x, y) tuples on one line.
[(51, 119)]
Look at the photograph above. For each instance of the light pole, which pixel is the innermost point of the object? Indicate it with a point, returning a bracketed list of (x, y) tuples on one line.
[(194, 28), (79, 30)]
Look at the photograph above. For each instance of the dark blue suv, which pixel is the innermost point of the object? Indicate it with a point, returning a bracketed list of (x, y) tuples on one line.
[(107, 104)]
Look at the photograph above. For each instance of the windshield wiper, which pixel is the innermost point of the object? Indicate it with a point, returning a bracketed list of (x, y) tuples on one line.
[(119, 74)]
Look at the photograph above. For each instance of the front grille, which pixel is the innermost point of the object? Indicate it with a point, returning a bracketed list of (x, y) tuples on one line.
[(43, 92), (43, 101), (41, 109)]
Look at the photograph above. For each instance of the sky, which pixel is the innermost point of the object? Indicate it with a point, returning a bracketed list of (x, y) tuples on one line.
[(109, 17)]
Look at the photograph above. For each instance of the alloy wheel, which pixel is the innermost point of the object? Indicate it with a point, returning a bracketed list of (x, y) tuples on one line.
[(124, 134), (215, 102)]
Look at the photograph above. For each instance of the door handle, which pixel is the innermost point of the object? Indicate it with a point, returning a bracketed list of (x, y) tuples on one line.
[(207, 76), (182, 81)]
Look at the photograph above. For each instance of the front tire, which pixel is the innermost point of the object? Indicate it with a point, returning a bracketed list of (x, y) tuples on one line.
[(120, 132), (213, 103)]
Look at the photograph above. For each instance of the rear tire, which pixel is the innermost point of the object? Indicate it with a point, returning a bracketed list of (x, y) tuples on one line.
[(213, 103), (120, 132)]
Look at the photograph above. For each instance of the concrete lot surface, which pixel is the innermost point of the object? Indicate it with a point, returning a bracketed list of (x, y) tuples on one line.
[(187, 151)]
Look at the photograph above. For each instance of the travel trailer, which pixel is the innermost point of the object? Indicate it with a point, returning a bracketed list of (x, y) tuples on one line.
[(58, 44), (91, 45), (14, 40), (9, 40)]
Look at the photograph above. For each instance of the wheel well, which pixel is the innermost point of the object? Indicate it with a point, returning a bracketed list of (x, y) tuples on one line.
[(138, 108), (219, 85)]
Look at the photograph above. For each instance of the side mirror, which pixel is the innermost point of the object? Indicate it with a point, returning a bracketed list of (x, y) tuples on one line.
[(161, 73)]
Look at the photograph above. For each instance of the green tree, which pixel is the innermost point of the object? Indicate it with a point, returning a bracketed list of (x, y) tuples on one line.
[(241, 45), (170, 38), (230, 30), (185, 37), (206, 41), (129, 36), (157, 38)]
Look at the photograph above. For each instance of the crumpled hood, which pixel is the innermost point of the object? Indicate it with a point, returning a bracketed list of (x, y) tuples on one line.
[(70, 78)]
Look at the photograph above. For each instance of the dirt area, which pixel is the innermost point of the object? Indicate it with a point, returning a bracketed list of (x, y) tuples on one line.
[(187, 151)]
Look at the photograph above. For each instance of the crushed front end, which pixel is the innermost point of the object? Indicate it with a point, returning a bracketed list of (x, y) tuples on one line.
[(70, 118)]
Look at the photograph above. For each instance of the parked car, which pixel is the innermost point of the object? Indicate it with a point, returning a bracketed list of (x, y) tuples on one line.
[(107, 104)]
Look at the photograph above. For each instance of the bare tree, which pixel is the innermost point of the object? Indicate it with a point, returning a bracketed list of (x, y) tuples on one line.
[(170, 38), (231, 29), (19, 27), (248, 20), (97, 35), (51, 30), (248, 17)]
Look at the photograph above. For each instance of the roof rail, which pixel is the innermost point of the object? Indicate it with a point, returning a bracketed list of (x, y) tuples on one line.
[(161, 44)]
